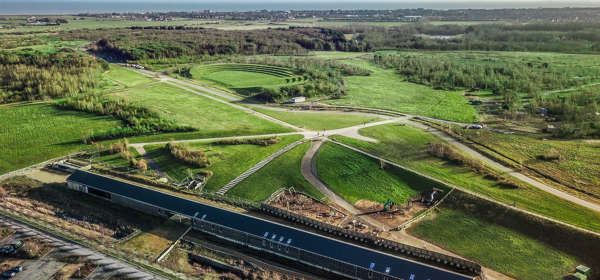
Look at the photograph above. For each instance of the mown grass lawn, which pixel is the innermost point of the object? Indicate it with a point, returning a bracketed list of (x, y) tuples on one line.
[(386, 89), (34, 133), (241, 76), (500, 248), (227, 161), (127, 77), (211, 118), (283, 172), (354, 176), (318, 121), (406, 145)]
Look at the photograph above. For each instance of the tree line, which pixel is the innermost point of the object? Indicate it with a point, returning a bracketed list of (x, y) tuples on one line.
[(138, 120), (169, 42), (27, 76), (572, 37)]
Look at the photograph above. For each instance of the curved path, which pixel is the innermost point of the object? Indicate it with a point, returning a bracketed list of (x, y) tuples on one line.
[(353, 132), (509, 171), (310, 173)]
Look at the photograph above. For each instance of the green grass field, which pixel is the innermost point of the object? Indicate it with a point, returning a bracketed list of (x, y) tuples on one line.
[(354, 176), (500, 248), (211, 118), (407, 146), (387, 90), (227, 161), (319, 121), (245, 78), (34, 133), (127, 77), (283, 172), (578, 166)]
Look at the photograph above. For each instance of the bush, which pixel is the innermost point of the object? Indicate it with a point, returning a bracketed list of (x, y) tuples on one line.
[(139, 120), (250, 141), (192, 157), (447, 152)]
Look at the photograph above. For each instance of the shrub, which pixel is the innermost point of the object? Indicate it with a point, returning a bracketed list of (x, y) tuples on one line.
[(181, 152), (139, 120), (250, 141)]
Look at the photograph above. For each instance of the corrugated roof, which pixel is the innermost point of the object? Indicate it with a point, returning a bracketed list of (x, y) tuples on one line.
[(325, 246)]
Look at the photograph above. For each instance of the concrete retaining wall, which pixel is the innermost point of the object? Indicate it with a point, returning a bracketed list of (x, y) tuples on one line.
[(414, 252)]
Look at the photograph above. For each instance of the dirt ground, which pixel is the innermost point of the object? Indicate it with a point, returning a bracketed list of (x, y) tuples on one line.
[(392, 218), (306, 206)]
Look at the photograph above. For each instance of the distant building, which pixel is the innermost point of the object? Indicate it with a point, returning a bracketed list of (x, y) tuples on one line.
[(298, 99)]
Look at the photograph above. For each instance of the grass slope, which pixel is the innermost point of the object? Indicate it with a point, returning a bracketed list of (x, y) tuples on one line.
[(354, 176), (211, 118), (497, 247), (34, 133), (240, 76), (127, 77), (579, 166), (406, 145), (387, 90), (319, 121), (227, 161), (283, 172)]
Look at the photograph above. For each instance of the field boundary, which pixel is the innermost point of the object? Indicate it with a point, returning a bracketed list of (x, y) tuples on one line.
[(467, 191)]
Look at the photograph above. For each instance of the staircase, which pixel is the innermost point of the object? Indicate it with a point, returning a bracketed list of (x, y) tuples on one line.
[(256, 167)]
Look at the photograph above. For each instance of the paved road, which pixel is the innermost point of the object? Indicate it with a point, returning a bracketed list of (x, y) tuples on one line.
[(509, 171), (353, 132), (107, 265)]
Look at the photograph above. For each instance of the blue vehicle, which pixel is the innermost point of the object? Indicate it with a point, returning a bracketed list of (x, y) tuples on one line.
[(8, 274), (16, 269)]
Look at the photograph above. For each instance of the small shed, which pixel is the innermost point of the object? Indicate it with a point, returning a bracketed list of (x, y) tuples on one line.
[(298, 99)]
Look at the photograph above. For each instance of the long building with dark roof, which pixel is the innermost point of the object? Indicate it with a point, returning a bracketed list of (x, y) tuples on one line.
[(330, 255)]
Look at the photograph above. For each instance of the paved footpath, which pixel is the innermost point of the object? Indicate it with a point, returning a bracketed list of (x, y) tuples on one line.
[(309, 171), (507, 170)]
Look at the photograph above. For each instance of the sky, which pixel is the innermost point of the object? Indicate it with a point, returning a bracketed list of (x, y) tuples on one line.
[(328, 1)]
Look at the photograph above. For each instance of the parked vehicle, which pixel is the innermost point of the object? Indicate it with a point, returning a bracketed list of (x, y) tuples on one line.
[(474, 126), (16, 269), (8, 274), (17, 244), (7, 250)]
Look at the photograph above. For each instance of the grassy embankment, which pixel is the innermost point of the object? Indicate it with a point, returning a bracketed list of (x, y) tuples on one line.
[(387, 90), (211, 118), (245, 79), (407, 145), (318, 120), (283, 172), (127, 77), (227, 161), (575, 163), (354, 176), (507, 241), (35, 133)]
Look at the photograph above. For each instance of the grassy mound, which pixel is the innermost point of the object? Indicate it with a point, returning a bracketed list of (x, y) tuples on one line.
[(247, 78), (355, 176)]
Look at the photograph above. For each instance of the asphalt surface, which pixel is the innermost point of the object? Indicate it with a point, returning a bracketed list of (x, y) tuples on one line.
[(311, 242)]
